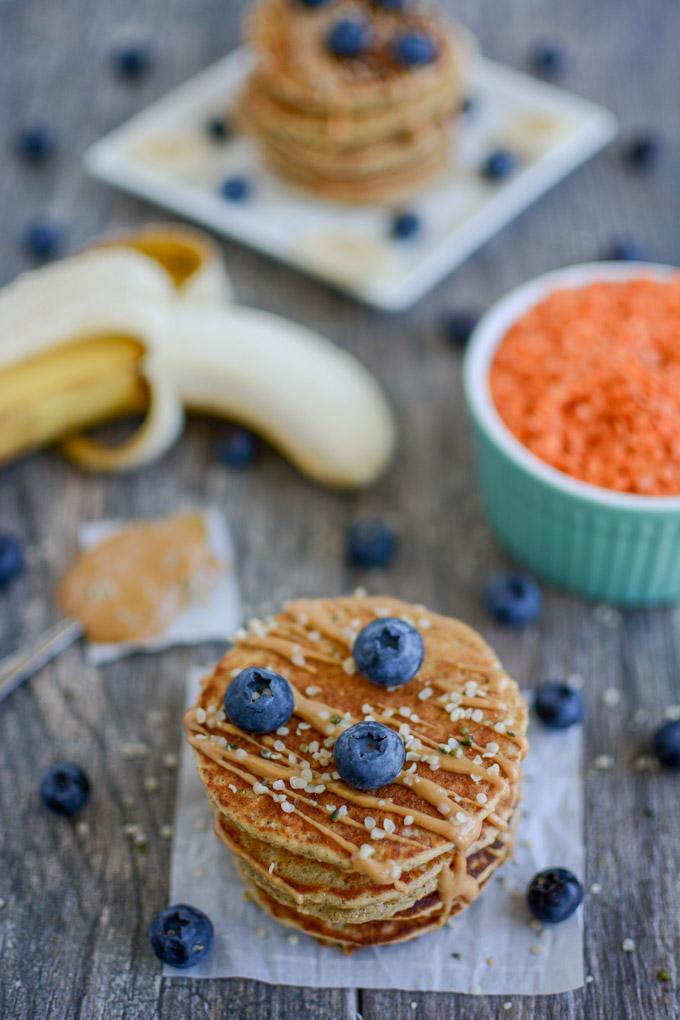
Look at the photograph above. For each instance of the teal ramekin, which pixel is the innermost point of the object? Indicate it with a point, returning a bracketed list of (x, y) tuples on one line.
[(610, 546)]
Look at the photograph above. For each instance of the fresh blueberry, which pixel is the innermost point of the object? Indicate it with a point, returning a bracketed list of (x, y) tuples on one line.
[(642, 151), (558, 705), (218, 129), (313, 3), (350, 37), (548, 59), (133, 61), (259, 700), (369, 755), (389, 652), (236, 189), (513, 599), (414, 49), (42, 241), (391, 5), (36, 143), (498, 165), (65, 788), (371, 543), (11, 559), (667, 745), (238, 448), (459, 326), (405, 225), (553, 895), (181, 935), (625, 249)]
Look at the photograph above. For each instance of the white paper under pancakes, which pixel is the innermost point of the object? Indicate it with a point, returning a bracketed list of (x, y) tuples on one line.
[(211, 619), (500, 953)]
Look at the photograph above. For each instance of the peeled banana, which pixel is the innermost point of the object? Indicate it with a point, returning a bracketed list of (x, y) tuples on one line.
[(144, 321)]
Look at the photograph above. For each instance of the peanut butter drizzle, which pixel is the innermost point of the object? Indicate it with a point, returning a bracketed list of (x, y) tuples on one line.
[(131, 586), (455, 883)]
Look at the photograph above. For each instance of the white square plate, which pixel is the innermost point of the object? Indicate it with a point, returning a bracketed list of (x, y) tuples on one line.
[(165, 155)]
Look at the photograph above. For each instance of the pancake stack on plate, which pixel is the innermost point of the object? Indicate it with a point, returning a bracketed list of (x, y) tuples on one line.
[(361, 868), (367, 128)]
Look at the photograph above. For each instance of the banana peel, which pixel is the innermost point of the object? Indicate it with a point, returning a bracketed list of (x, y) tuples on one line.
[(145, 322)]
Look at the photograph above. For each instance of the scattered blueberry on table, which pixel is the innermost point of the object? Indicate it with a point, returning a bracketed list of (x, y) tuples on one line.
[(349, 38), (238, 447), (642, 151), (625, 249), (388, 652), (458, 326), (218, 129), (554, 895), (514, 600), (65, 788), (35, 143), (405, 225), (181, 935), (371, 543), (42, 240), (499, 165), (133, 61), (548, 59), (667, 745), (369, 755), (11, 559), (415, 49), (236, 189), (558, 705), (259, 700)]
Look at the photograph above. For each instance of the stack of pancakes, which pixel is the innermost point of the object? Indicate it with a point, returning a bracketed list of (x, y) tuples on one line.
[(358, 130), (364, 868)]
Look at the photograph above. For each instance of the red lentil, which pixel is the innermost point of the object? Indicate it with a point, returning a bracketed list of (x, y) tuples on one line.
[(589, 381)]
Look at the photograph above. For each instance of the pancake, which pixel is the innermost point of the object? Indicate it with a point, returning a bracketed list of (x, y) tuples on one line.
[(352, 129), (351, 867)]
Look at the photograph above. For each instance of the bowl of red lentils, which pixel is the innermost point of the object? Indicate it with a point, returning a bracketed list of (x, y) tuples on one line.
[(573, 385)]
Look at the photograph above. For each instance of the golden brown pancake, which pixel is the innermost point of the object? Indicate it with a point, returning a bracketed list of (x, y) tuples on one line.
[(362, 868), (358, 129)]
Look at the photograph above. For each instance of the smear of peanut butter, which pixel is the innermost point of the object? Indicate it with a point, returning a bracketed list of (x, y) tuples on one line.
[(131, 586)]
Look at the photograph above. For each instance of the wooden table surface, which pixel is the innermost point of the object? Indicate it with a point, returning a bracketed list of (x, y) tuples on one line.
[(75, 902)]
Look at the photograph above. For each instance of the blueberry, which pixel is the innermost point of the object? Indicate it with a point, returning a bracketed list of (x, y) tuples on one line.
[(371, 543), (558, 705), (499, 165), (181, 935), (625, 249), (238, 448), (133, 61), (405, 225), (11, 559), (513, 599), (350, 37), (36, 143), (548, 59), (414, 49), (389, 652), (369, 755), (642, 152), (42, 240), (458, 326), (218, 129), (553, 895), (667, 745), (313, 3), (259, 700), (236, 189), (64, 788), (391, 5)]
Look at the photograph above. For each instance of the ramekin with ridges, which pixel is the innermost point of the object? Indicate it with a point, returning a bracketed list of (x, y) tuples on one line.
[(610, 546)]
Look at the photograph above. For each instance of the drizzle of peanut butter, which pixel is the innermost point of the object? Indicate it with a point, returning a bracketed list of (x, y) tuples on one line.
[(131, 586)]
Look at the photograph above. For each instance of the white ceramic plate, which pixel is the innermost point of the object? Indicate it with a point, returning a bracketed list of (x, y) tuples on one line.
[(164, 155)]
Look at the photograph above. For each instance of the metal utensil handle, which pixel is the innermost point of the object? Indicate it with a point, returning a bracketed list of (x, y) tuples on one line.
[(23, 664)]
